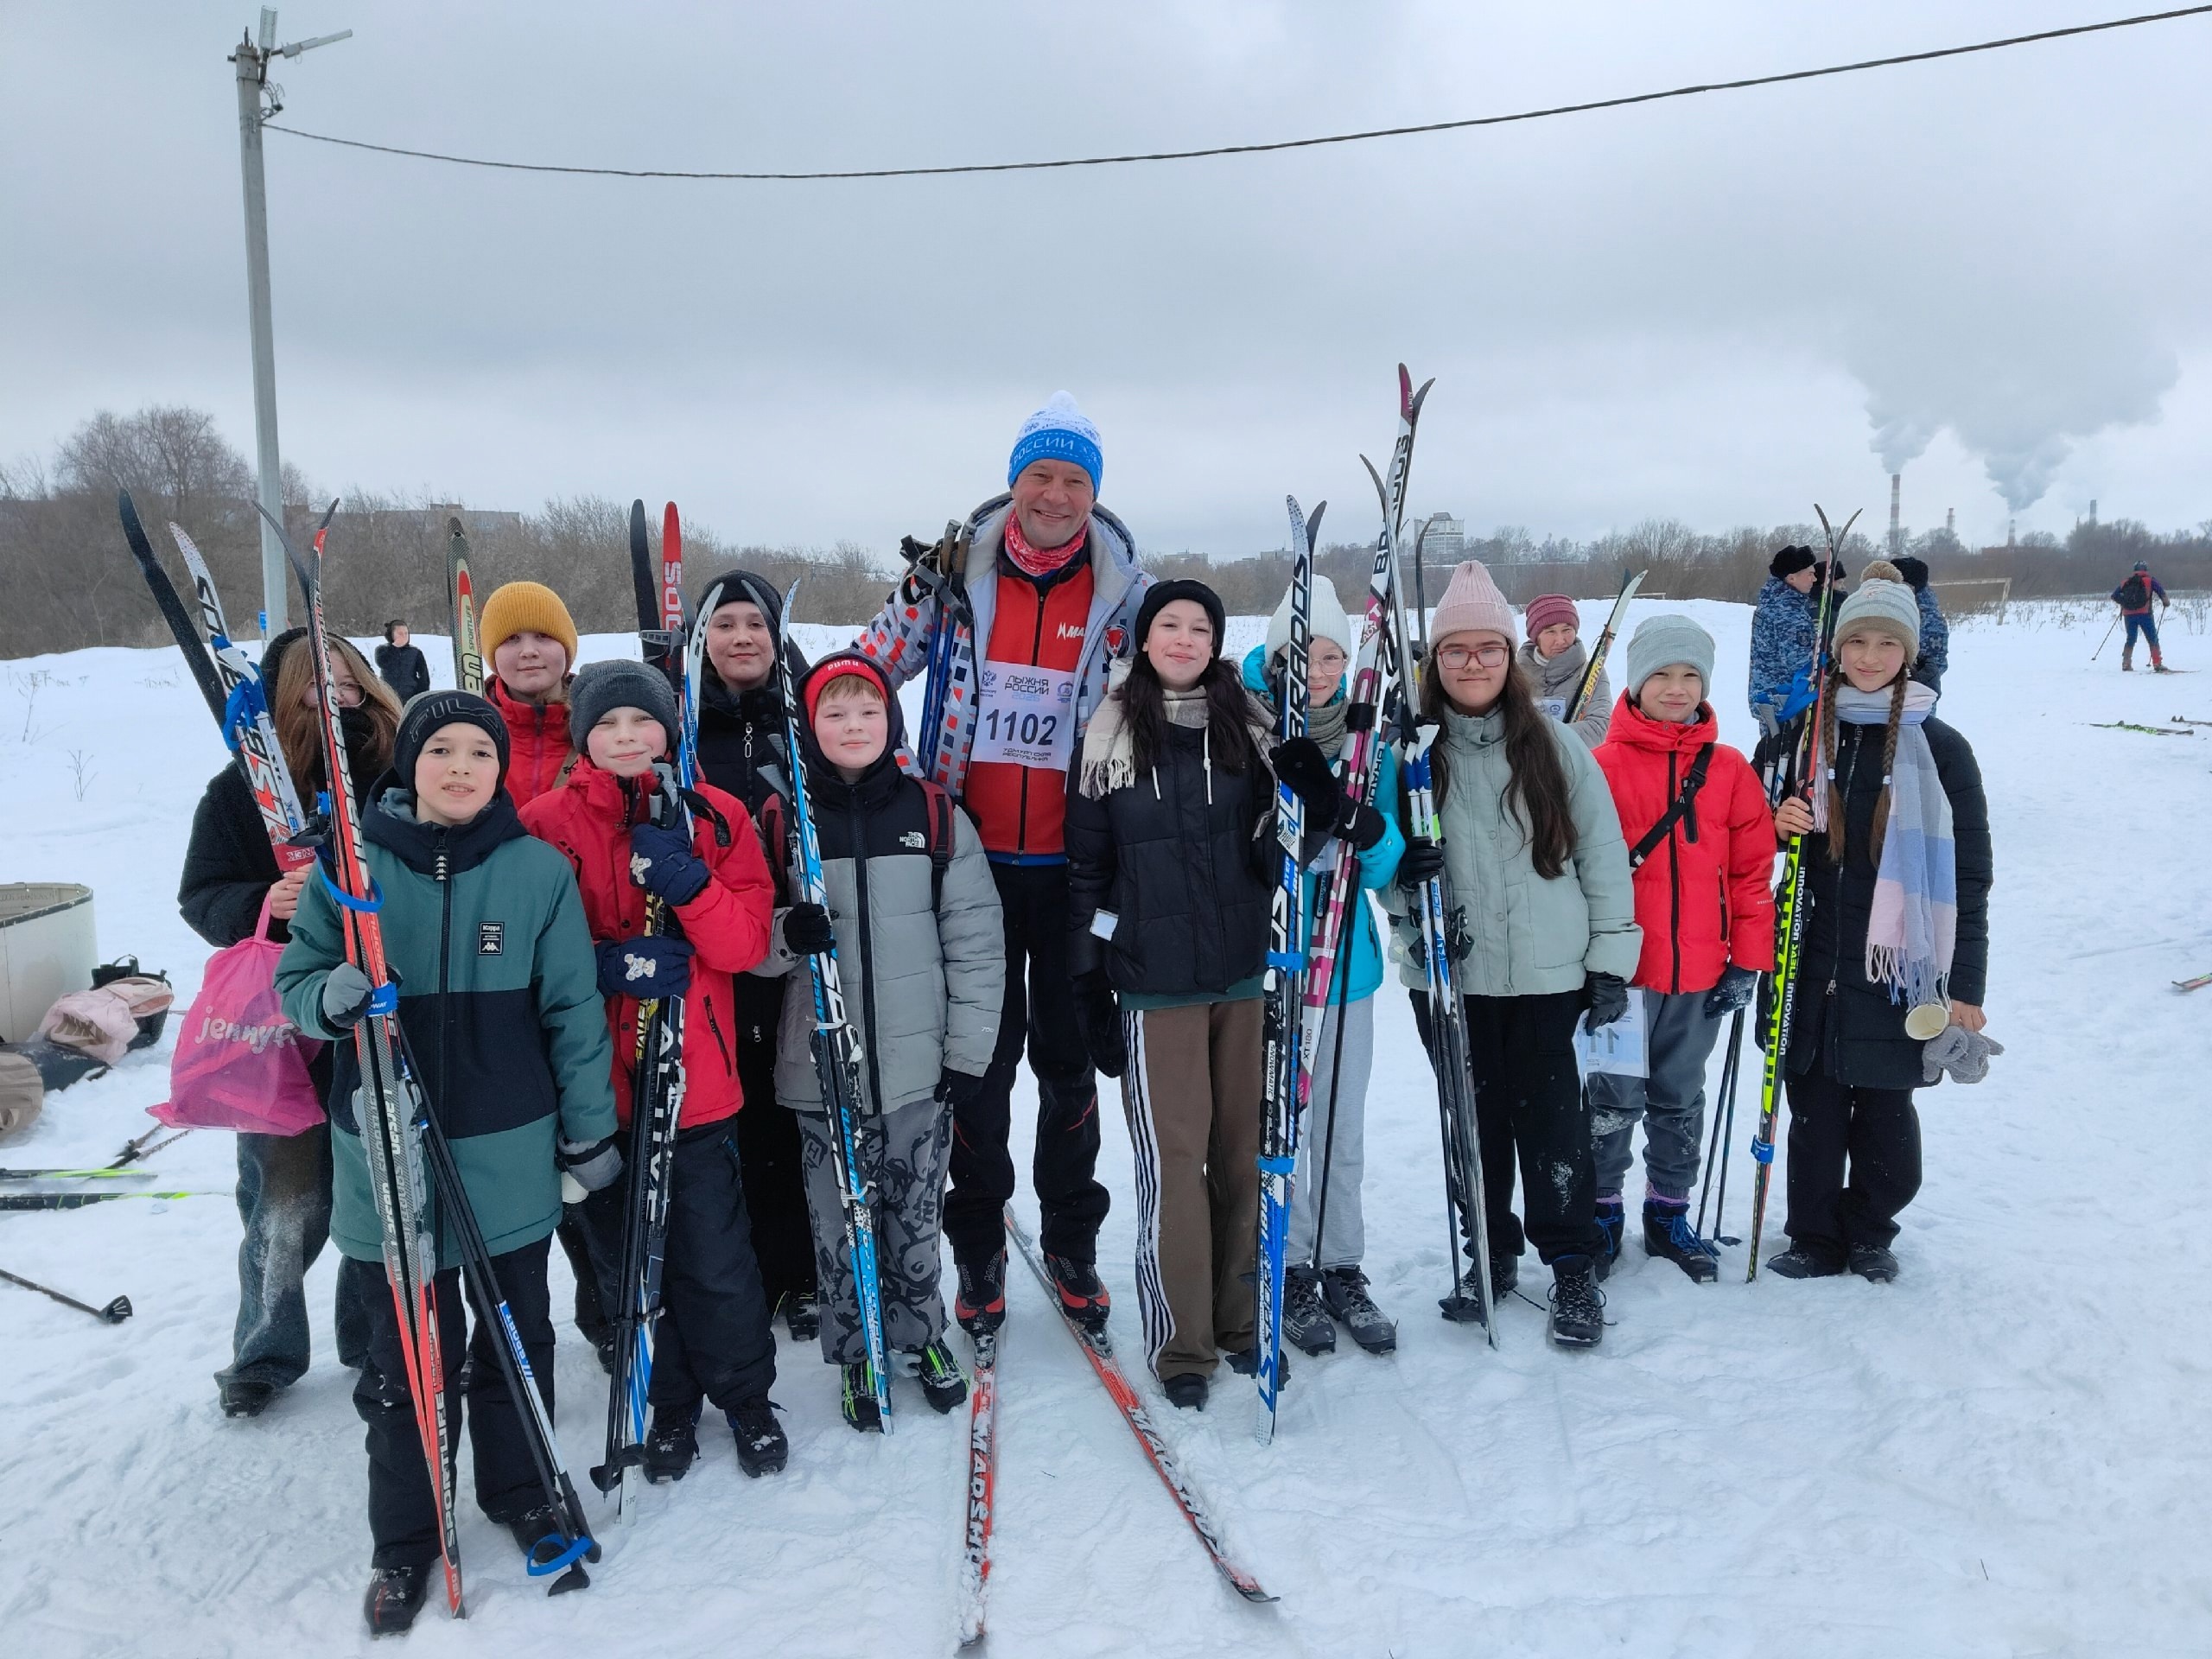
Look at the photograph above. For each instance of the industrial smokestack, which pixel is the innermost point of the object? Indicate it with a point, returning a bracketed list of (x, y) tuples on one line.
[(2010, 526), (1951, 521), (1896, 481), (2093, 509)]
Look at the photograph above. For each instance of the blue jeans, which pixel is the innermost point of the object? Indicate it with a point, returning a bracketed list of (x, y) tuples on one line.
[(284, 1201), (2141, 622)]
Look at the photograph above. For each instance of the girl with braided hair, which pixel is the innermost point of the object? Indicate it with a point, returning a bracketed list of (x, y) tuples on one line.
[(1895, 952)]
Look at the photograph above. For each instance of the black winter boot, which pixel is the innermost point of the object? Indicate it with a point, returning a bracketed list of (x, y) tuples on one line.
[(802, 1316), (1799, 1262), (938, 1373), (395, 1597), (1578, 1317), (1667, 1234), (672, 1445), (761, 1447), (1874, 1263), (1185, 1390), (1612, 1217)]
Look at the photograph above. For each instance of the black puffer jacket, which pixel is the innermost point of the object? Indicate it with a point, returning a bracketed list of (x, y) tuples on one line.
[(1187, 876), (1844, 1023)]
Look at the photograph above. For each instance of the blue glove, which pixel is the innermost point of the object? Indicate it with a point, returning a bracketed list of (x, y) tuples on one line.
[(652, 965), (662, 863)]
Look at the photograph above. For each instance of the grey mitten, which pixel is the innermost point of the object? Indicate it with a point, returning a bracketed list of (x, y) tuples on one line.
[(345, 995), (1965, 1054), (591, 1163)]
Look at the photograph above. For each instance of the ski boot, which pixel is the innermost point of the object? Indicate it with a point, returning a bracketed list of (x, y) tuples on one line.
[(1874, 1263), (2127, 659), (1578, 1317), (857, 1402), (1246, 1361), (244, 1396), (1799, 1262), (672, 1445), (1185, 1390), (1612, 1217), (541, 1535), (395, 1597), (1667, 1234), (2158, 664), (938, 1373), (761, 1447), (1344, 1289), (980, 1307), (1305, 1322), (1082, 1297), (802, 1316)]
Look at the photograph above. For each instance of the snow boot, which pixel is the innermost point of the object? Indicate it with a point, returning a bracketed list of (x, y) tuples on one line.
[(1082, 1297), (672, 1445), (938, 1373), (604, 1347), (1505, 1277), (538, 1533), (980, 1307), (1185, 1390), (395, 1597), (2127, 659), (1874, 1263), (1578, 1318), (802, 1316), (1246, 1361), (244, 1396), (2158, 664), (1798, 1263), (761, 1447), (1305, 1322), (1344, 1289), (1613, 1218), (1668, 1233), (858, 1400)]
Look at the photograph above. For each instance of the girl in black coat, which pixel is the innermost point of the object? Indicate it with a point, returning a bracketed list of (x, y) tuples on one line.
[(284, 1191), (1878, 942), (741, 749), (1171, 864)]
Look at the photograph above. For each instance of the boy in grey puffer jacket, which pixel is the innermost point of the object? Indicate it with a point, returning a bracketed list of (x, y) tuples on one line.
[(920, 957)]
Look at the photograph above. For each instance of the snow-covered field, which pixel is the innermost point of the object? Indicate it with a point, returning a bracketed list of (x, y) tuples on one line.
[(2004, 1453)]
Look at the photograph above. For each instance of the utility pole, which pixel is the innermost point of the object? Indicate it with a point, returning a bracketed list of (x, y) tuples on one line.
[(252, 60)]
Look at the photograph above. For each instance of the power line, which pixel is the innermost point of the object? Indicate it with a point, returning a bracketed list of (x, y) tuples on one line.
[(1276, 144)]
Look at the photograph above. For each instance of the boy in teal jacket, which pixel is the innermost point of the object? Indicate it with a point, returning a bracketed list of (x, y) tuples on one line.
[(485, 933), (1328, 1227)]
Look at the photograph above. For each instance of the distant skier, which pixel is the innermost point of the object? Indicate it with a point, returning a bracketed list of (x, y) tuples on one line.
[(1557, 660), (1935, 632), (1052, 587), (400, 665), (2135, 596)]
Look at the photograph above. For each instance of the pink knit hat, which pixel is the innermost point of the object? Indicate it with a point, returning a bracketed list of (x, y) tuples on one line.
[(1546, 609), (1471, 604)]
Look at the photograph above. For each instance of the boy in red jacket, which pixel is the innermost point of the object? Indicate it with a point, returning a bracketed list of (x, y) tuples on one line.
[(1707, 917), (713, 1339)]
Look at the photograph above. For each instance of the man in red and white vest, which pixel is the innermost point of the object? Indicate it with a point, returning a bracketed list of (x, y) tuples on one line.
[(1052, 589)]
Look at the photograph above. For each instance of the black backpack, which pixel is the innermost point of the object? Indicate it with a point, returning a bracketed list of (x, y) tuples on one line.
[(2135, 592)]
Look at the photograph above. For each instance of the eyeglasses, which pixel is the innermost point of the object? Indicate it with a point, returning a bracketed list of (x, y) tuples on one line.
[(1456, 657), (346, 694)]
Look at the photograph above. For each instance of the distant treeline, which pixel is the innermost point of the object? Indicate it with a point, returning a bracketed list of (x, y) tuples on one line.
[(69, 582)]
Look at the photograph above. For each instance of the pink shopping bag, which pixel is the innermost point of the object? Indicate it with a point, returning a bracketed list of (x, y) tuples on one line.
[(239, 1063)]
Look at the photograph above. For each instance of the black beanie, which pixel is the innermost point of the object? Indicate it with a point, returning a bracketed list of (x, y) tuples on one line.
[(1161, 594), (1915, 572), (733, 585), (1789, 561), (427, 711), (620, 684)]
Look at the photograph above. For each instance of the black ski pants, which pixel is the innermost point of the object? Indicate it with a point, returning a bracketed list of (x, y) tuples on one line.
[(1529, 1106), (403, 1506), (769, 1152), (1872, 1133), (1039, 1011), (712, 1339)]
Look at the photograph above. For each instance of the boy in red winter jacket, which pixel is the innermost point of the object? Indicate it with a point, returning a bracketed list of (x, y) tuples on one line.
[(713, 1339), (1702, 900)]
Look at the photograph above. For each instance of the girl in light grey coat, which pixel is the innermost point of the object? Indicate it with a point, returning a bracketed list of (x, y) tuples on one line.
[(913, 917), (1541, 911)]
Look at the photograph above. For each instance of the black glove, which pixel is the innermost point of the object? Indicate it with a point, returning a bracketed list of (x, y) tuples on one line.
[(808, 931), (662, 863), (591, 1163), (958, 1089), (1734, 991), (1102, 1023), (1421, 863), (1358, 825), (345, 994), (653, 965), (1606, 997), (1306, 773)]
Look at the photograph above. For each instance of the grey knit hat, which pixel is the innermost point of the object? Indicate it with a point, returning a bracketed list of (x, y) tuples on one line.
[(1661, 642), (1884, 604), (619, 684)]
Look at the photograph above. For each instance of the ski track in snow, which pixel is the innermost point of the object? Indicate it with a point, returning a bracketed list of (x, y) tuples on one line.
[(2001, 1453)]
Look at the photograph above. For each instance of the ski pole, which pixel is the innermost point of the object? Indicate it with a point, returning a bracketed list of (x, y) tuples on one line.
[(114, 1313), (1724, 1130), (2107, 640)]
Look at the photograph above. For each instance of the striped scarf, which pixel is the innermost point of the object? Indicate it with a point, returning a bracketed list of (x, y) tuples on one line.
[(1913, 924)]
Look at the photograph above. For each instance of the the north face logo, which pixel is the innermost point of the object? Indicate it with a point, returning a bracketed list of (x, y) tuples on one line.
[(491, 938), (915, 839)]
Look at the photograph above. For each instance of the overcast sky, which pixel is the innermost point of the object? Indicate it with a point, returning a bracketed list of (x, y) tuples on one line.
[(1708, 309)]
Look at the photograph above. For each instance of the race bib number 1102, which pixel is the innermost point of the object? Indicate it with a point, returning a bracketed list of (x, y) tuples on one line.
[(1025, 716)]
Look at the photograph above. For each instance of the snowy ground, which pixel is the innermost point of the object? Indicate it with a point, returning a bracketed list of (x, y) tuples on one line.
[(2001, 1453)]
